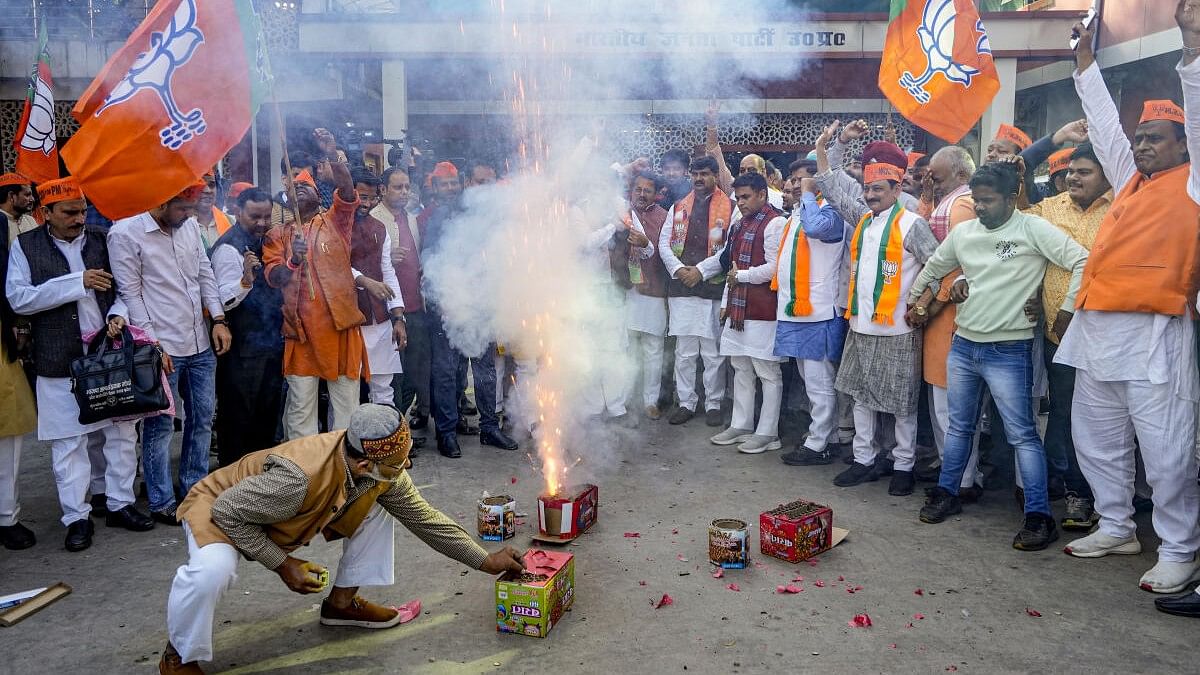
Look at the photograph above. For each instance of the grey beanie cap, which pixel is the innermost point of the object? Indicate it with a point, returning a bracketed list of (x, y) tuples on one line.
[(371, 421)]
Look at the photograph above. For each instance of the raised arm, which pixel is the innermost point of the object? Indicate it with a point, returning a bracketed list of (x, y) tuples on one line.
[(838, 188), (712, 147), (1104, 122)]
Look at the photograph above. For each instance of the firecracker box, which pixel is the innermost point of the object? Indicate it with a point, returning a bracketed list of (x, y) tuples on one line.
[(566, 516), (796, 531), (531, 603)]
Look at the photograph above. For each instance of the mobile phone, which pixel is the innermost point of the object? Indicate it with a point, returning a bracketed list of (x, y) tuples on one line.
[(1087, 23)]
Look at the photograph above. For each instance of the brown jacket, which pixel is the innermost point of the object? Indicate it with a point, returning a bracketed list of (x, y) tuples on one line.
[(323, 509)]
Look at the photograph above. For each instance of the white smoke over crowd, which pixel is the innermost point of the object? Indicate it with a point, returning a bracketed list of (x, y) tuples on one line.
[(526, 263)]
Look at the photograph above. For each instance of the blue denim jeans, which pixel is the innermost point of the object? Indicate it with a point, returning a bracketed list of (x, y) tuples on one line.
[(444, 382), (195, 379), (1006, 368)]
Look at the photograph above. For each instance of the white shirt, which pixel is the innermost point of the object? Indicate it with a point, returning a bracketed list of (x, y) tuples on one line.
[(689, 315), (166, 280), (19, 225), (58, 413), (227, 264), (868, 265)]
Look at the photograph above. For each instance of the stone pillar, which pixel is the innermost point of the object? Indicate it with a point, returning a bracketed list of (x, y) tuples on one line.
[(395, 99), (1004, 105)]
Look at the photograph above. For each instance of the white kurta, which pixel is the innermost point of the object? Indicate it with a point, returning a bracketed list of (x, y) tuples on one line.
[(868, 265), (644, 313), (382, 354), (58, 413), (689, 315), (757, 339)]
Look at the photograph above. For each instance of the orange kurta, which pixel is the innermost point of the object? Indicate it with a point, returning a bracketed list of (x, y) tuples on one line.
[(321, 319), (940, 329)]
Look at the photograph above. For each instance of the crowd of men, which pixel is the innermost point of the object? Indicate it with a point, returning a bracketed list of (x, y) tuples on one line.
[(889, 279)]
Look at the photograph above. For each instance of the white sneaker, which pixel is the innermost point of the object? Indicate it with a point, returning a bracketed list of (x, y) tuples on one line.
[(1170, 577), (731, 436), (1098, 545), (756, 444)]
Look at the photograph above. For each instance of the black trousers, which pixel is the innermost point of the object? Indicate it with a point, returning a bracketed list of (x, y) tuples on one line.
[(417, 359), (249, 404)]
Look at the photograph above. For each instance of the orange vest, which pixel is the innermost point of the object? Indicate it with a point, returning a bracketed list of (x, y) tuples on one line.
[(1145, 255), (324, 507)]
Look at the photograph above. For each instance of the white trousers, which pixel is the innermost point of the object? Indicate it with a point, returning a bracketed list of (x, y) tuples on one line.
[(607, 395), (905, 452), (687, 349), (648, 350), (939, 415), (819, 377), (380, 389), (845, 416), (300, 411), (747, 370), (73, 470), (10, 468), (1105, 417), (368, 559)]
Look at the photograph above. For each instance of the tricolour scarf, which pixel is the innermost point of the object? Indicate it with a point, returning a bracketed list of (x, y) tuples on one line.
[(741, 245), (888, 272), (719, 208), (800, 286)]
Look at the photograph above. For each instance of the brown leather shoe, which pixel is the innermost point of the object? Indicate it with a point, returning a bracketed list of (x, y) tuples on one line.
[(361, 613), (172, 664)]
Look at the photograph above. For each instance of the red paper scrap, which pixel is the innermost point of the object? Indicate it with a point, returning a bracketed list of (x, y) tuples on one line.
[(641, 583), (1032, 612), (860, 621), (841, 578), (857, 589), (919, 617), (720, 573), (666, 600), (952, 669), (797, 578), (788, 589), (513, 480), (909, 625), (733, 587), (633, 535), (675, 531), (918, 592), (680, 558), (819, 584), (892, 646)]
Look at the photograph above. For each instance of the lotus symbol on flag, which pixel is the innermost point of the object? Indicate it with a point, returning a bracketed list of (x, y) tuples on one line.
[(154, 69), (936, 34), (38, 134)]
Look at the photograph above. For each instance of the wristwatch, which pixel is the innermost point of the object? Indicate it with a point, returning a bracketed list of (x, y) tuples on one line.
[(399, 318), (920, 310), (221, 322)]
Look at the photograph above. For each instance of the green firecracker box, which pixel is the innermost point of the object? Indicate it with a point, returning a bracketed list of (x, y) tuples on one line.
[(533, 602)]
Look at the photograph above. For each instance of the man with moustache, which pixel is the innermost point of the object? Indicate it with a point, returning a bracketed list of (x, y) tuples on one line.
[(1078, 211), (60, 276), (646, 297), (16, 203), (881, 363), (309, 261), (250, 374), (405, 238), (1132, 339), (695, 229), (166, 280), (379, 297)]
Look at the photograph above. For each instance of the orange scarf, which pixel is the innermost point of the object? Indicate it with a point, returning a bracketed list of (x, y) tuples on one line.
[(221, 221), (888, 273), (799, 291)]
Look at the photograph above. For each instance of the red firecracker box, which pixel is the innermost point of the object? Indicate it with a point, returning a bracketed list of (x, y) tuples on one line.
[(566, 516), (796, 531)]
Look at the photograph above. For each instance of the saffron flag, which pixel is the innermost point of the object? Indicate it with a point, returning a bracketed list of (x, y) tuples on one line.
[(36, 142), (937, 67), (169, 104)]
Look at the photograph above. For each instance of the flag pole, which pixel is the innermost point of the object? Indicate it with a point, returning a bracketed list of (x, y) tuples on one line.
[(306, 271)]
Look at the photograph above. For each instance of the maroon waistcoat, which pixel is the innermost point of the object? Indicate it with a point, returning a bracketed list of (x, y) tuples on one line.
[(366, 251)]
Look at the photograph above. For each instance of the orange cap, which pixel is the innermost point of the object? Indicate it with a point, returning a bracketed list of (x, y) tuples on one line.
[(305, 177), (1008, 132), (1060, 160), (192, 192), (445, 170), (59, 190), (913, 157), (13, 179), (1161, 110), (238, 188), (877, 171)]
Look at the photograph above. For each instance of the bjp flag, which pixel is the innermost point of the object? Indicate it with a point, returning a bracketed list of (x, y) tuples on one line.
[(169, 104), (36, 142), (937, 65)]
